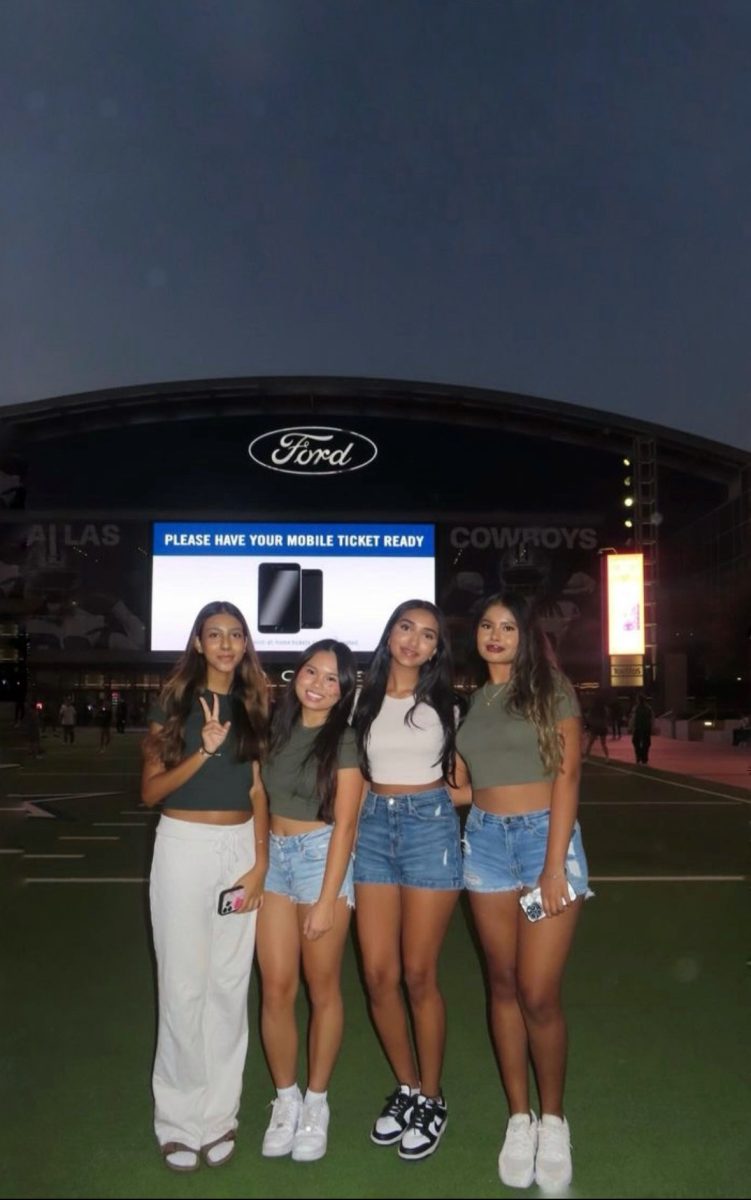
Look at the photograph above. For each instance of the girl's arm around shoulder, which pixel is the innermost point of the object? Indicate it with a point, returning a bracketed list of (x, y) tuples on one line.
[(158, 781), (349, 794), (253, 881), (460, 789)]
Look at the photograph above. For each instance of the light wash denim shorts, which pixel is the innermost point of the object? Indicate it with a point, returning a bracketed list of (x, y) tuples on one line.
[(410, 840), (297, 865), (505, 854)]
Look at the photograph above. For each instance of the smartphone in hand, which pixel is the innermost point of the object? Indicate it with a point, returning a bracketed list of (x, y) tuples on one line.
[(531, 903), (230, 900)]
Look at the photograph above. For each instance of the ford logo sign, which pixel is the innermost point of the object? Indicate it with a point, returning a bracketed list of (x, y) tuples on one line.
[(312, 450)]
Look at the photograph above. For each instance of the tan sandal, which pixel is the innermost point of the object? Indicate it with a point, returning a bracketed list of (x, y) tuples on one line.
[(228, 1138), (180, 1148)]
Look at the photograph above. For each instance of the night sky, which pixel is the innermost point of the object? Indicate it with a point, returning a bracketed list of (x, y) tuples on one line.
[(542, 196)]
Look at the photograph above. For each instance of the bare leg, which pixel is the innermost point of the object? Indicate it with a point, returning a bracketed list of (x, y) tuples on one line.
[(543, 950), (426, 913), (278, 948), (497, 918), (322, 967), (379, 928)]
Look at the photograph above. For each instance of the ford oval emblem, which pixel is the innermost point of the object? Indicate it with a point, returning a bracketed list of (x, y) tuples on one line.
[(312, 450)]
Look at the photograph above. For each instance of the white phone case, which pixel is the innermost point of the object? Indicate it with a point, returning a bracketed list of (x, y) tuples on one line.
[(531, 902)]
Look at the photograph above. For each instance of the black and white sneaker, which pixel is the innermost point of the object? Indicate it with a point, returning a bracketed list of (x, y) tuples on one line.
[(429, 1120), (395, 1118)]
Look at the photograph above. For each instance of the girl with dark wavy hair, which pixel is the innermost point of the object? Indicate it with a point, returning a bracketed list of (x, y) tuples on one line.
[(408, 863), (201, 757), (313, 783), (520, 744)]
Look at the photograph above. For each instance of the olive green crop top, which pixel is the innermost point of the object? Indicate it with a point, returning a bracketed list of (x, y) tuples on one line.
[(499, 747), (291, 781), (222, 783)]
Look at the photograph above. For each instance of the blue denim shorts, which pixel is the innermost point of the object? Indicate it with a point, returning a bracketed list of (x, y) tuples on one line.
[(410, 840), (297, 865), (505, 854)]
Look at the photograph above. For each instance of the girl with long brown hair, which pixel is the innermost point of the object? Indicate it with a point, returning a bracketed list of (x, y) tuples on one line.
[(408, 870), (520, 743), (201, 757)]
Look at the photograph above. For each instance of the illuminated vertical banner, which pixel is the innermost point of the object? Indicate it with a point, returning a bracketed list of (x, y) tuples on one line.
[(625, 603)]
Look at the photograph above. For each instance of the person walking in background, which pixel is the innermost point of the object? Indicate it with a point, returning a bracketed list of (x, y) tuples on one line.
[(104, 721), (68, 721), (520, 743), (408, 864), (206, 736), (641, 724), (33, 723), (313, 783), (616, 718), (122, 715), (596, 719)]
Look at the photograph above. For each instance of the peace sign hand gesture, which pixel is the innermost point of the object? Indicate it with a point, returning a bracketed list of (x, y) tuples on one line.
[(213, 734)]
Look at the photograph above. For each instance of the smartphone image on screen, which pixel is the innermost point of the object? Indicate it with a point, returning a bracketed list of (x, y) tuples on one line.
[(279, 598), (312, 599)]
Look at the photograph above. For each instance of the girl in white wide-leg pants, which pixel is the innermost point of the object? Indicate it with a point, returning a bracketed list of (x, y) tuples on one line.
[(203, 962), (207, 734)]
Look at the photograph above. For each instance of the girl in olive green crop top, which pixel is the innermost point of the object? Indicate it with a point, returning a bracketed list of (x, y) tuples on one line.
[(313, 782), (520, 746)]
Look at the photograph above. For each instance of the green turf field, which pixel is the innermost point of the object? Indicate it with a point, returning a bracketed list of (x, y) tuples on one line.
[(657, 997)]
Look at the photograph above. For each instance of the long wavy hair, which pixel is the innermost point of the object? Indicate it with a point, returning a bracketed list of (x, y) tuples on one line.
[(248, 696), (536, 681), (325, 749), (435, 687)]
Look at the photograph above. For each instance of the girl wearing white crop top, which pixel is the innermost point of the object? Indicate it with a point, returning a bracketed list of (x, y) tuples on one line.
[(408, 863)]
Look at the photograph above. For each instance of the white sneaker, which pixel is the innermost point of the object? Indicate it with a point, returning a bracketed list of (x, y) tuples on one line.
[(553, 1170), (516, 1162), (280, 1135), (311, 1137)]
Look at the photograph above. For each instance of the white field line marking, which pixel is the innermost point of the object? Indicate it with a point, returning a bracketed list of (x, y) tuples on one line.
[(593, 879), (81, 837), (676, 783), (41, 797), (119, 824), (114, 879), (55, 856), (11, 851), (668, 878), (663, 803)]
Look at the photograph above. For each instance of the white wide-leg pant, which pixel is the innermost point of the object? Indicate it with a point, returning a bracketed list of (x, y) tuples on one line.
[(203, 966)]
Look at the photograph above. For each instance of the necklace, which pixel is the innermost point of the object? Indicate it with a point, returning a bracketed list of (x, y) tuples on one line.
[(489, 699)]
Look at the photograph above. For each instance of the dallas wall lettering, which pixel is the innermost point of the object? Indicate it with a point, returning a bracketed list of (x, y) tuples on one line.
[(76, 586), (557, 563)]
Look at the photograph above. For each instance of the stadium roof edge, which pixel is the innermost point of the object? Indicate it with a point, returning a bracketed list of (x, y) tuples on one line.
[(150, 402)]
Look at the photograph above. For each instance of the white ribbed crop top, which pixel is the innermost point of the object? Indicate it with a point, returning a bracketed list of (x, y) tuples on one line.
[(402, 752)]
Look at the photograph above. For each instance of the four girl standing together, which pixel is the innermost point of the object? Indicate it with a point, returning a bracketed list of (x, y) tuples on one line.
[(279, 816)]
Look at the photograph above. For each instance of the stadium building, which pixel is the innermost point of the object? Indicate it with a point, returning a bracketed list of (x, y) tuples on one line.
[(317, 504)]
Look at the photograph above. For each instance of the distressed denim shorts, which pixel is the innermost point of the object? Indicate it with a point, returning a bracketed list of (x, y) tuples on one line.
[(410, 840), (297, 865), (505, 854)]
